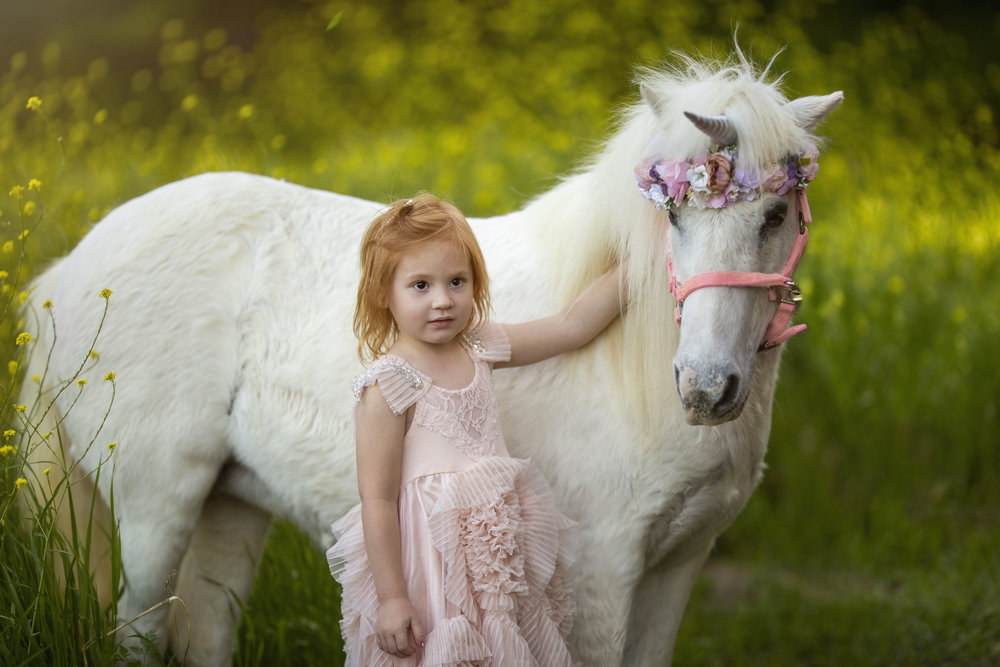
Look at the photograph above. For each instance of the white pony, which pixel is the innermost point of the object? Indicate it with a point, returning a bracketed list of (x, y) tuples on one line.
[(229, 331)]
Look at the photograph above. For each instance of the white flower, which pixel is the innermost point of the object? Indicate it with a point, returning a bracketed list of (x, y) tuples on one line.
[(660, 199), (698, 178)]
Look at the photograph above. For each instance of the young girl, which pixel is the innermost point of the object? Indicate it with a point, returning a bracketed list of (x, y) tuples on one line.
[(456, 553)]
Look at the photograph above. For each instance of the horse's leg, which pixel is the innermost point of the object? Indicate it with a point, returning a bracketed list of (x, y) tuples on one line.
[(217, 570), (660, 600), (158, 513), (604, 576)]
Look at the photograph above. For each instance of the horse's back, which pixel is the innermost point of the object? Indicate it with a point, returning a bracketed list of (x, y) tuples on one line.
[(228, 324)]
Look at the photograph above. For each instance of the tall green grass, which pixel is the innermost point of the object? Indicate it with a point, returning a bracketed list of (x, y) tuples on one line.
[(874, 535), (52, 611)]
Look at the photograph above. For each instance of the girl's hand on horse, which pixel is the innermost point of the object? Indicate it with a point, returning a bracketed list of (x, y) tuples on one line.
[(397, 628), (576, 325)]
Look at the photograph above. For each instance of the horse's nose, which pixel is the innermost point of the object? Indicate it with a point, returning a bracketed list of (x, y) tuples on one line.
[(709, 395)]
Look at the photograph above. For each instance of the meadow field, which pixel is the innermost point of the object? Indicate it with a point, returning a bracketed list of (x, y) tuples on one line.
[(874, 538)]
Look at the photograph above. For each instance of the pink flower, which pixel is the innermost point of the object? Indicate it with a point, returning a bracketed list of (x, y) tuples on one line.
[(719, 169), (673, 175), (808, 164), (774, 178)]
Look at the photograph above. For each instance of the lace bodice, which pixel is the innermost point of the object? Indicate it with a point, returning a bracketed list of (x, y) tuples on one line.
[(467, 417)]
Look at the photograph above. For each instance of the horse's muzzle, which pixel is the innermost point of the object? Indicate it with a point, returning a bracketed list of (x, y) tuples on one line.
[(709, 396)]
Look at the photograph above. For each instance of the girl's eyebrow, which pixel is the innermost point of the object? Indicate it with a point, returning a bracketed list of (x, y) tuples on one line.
[(415, 275)]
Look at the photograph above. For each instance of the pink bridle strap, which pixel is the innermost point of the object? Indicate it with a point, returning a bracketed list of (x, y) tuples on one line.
[(781, 286)]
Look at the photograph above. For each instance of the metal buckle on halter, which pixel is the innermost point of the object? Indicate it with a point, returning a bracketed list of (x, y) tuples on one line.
[(790, 293)]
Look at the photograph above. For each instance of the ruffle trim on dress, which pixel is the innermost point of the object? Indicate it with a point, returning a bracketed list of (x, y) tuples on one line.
[(401, 384), (505, 551), (490, 342)]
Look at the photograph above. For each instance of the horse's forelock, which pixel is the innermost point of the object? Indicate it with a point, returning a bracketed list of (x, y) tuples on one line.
[(750, 97)]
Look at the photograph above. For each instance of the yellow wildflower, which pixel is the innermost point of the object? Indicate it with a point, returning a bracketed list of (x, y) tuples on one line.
[(100, 116), (3, 275), (12, 367), (35, 184), (23, 338), (34, 103), (247, 111), (23, 296), (111, 446), (36, 377), (29, 208), (110, 376), (46, 471), (23, 235), (9, 433), (94, 354), (8, 246), (46, 436), (189, 102), (20, 483), (47, 304), (20, 407), (6, 451), (82, 381), (106, 293), (16, 191), (6, 289)]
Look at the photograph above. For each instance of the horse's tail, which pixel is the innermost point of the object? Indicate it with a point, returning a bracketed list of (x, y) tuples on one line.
[(64, 496)]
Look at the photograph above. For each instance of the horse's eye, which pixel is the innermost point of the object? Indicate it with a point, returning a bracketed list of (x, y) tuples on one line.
[(775, 216)]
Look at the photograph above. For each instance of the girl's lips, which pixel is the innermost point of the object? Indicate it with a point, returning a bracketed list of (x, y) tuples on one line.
[(441, 322)]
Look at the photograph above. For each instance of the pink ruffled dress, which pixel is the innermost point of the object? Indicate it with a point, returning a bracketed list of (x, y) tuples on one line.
[(484, 548)]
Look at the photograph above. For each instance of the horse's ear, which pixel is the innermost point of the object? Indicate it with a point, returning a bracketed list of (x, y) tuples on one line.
[(810, 110), (651, 98)]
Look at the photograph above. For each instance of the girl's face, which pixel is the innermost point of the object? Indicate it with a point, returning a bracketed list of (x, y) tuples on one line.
[(431, 295)]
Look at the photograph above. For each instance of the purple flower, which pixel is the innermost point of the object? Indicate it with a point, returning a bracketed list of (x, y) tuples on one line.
[(791, 178)]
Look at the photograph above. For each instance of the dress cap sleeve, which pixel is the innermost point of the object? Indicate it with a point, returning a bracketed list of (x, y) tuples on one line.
[(490, 342), (401, 384)]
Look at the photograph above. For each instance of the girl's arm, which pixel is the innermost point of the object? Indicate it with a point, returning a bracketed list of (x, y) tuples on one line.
[(379, 454), (593, 310)]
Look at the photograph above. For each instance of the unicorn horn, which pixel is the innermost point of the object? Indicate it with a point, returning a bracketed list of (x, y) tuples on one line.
[(719, 128)]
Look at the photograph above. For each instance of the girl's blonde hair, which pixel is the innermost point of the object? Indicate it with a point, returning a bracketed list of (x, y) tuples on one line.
[(407, 224)]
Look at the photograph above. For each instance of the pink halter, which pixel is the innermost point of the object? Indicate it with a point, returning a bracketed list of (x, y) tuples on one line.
[(781, 286)]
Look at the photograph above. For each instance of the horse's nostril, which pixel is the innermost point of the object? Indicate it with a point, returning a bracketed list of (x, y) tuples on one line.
[(730, 392)]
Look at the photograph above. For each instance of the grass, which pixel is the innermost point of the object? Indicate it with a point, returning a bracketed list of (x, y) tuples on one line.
[(945, 613), (873, 539)]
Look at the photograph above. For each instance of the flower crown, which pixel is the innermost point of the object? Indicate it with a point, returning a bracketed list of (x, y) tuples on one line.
[(715, 180)]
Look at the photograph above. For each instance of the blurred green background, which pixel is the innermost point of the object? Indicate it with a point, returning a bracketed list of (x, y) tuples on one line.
[(874, 538)]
